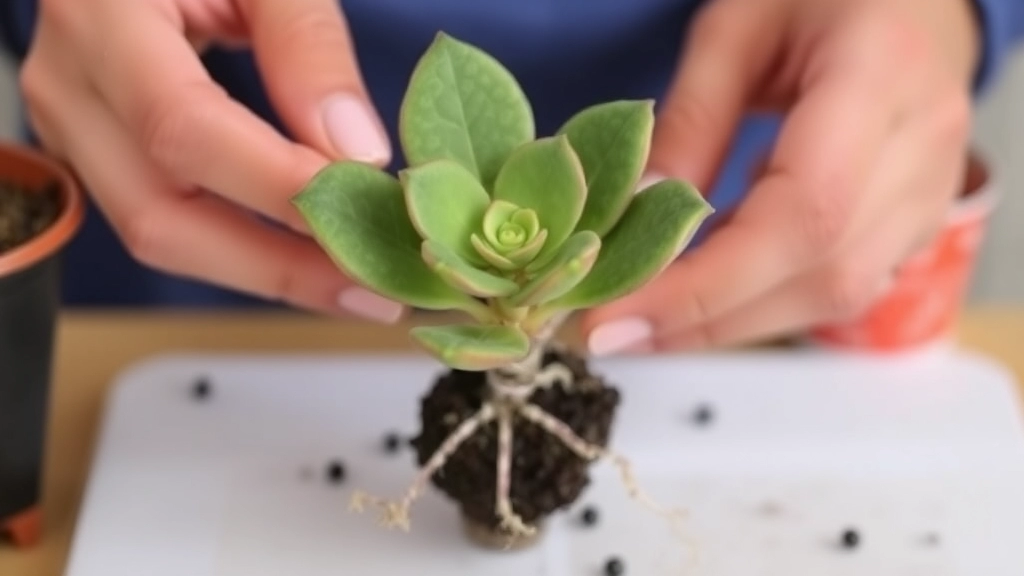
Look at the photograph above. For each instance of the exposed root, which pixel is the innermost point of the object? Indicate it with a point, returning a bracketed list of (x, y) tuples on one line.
[(592, 452), (396, 514), (510, 386), (560, 430), (553, 373), (511, 523)]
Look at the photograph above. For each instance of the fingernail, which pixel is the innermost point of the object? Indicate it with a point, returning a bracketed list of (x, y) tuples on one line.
[(618, 336), (353, 132), (648, 180), (366, 304)]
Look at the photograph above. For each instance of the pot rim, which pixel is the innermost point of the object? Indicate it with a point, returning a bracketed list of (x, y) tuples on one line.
[(63, 228)]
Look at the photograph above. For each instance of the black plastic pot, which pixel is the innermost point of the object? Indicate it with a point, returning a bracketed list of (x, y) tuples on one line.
[(29, 305)]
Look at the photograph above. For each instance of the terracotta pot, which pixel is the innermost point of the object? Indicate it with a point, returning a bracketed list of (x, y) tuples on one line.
[(29, 302), (921, 308)]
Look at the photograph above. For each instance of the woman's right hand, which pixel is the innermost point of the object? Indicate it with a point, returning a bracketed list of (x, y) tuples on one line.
[(117, 90)]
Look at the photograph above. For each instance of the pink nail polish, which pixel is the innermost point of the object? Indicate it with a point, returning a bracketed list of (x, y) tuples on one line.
[(353, 132), (619, 335), (368, 305)]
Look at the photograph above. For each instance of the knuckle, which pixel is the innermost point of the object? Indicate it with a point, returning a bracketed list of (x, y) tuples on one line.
[(689, 113), (716, 20), (306, 27), (823, 220), (31, 82), (846, 292), (59, 15), (285, 286), (952, 117), (143, 238), (168, 125)]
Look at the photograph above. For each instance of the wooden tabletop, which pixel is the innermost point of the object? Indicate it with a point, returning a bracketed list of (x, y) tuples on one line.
[(93, 347)]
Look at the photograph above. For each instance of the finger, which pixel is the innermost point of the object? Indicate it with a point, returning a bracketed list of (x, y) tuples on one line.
[(730, 48), (308, 61), (201, 236), (835, 292), (913, 176), (796, 216), (162, 95)]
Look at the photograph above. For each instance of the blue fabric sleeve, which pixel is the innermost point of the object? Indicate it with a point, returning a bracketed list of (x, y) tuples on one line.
[(1002, 27), (17, 18)]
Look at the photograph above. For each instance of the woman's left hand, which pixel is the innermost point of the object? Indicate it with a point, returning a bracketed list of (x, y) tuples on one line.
[(876, 96)]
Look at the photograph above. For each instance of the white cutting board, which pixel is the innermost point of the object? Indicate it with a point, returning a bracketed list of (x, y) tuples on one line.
[(897, 448)]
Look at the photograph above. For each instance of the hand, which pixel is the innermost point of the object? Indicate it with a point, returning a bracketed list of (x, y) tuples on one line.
[(117, 89), (873, 147)]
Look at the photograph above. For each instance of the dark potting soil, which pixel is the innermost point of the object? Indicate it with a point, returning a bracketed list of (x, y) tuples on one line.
[(25, 213), (546, 474)]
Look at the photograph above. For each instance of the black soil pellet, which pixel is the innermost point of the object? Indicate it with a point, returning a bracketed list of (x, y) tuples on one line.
[(703, 415), (25, 213), (547, 476), (850, 539), (201, 389), (614, 567), (336, 472), (589, 516), (392, 442)]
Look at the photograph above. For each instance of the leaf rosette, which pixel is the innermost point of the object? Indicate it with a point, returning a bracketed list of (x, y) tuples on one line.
[(492, 221)]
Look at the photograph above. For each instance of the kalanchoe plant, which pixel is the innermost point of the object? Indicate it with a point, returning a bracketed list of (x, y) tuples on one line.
[(513, 230)]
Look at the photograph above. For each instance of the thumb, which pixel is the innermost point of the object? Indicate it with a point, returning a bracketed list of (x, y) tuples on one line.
[(308, 64), (730, 48)]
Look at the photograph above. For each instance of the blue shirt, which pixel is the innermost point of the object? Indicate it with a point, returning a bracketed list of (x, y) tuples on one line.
[(567, 54)]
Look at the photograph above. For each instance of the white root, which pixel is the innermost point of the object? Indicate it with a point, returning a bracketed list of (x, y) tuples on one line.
[(396, 514), (591, 452), (511, 387), (511, 522)]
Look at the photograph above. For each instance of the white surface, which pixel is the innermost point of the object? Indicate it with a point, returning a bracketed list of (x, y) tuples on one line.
[(896, 448)]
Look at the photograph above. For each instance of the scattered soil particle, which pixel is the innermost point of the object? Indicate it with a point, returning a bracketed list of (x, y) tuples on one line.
[(546, 475), (25, 213)]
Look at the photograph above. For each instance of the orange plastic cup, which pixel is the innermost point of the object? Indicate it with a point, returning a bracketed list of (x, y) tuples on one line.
[(922, 306)]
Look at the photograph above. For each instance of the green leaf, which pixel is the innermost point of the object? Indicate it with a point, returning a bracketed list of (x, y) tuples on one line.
[(612, 141), (463, 105), (528, 220), (527, 252), (483, 248), (446, 204), (357, 214), (658, 224), (546, 177), (463, 276), (571, 264), (497, 214), (473, 347)]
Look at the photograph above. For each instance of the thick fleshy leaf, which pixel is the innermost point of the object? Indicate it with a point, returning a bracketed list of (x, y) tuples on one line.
[(656, 227), (463, 105), (546, 177), (473, 347), (497, 214), (570, 265), (612, 141), (528, 220), (526, 253), (483, 248), (463, 276), (446, 204), (357, 213)]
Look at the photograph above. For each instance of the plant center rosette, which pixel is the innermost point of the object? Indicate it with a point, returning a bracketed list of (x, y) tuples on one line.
[(514, 231)]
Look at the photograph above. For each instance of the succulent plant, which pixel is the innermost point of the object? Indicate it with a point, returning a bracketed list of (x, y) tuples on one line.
[(492, 221)]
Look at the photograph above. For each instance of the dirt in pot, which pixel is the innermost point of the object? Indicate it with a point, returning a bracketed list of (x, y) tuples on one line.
[(546, 475), (25, 212)]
